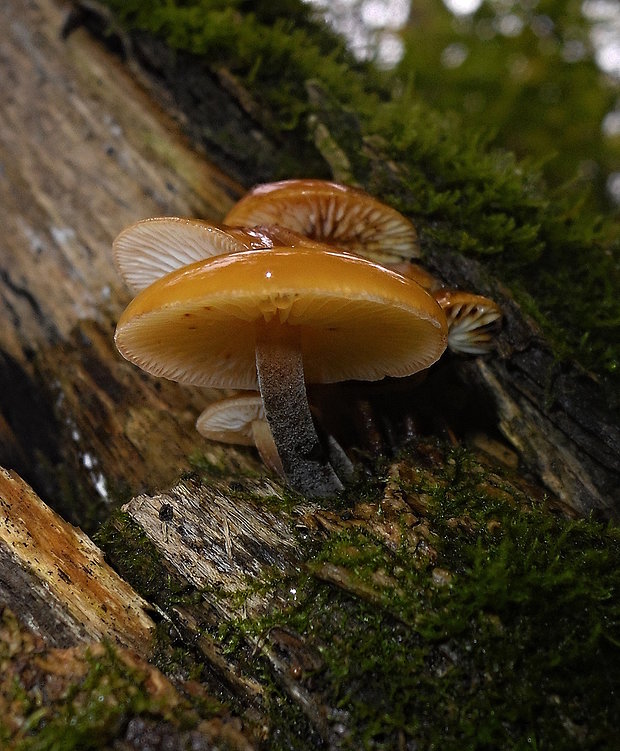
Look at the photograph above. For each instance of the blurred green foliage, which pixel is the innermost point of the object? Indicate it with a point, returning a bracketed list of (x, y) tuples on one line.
[(526, 72)]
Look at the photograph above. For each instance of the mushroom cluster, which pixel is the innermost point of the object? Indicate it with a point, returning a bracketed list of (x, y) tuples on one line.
[(301, 284)]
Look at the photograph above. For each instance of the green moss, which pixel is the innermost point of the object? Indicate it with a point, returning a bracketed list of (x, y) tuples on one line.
[(240, 483), (134, 556), (138, 561), (93, 710), (84, 698), (502, 634), (204, 465), (493, 623), (465, 197)]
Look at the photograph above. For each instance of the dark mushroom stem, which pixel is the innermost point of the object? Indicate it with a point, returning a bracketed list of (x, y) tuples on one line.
[(281, 382)]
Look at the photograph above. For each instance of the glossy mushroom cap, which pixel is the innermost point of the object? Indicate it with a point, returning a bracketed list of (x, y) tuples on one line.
[(353, 319), (473, 321), (339, 215), (272, 236), (151, 248)]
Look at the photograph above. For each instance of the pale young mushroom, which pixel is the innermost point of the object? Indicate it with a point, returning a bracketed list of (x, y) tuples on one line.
[(341, 216), (473, 321), (151, 248), (241, 420), (272, 321)]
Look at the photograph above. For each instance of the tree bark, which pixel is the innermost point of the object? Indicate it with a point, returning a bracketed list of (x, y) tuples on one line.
[(57, 580), (85, 152)]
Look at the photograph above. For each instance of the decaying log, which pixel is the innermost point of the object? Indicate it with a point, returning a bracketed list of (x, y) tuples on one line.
[(73, 633), (215, 541), (245, 560), (56, 579), (84, 153), (72, 681), (222, 545), (557, 416), (219, 543)]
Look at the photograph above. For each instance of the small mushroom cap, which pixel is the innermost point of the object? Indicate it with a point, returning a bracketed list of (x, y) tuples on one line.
[(353, 319), (241, 420), (342, 216), (151, 248), (230, 420), (473, 321)]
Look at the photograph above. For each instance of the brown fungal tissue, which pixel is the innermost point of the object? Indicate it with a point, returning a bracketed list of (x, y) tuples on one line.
[(274, 303)]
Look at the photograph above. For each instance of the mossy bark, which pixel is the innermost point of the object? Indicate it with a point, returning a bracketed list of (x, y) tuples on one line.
[(319, 624)]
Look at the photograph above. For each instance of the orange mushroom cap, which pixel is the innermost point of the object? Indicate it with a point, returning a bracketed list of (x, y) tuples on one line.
[(337, 214), (473, 321), (418, 273), (354, 319)]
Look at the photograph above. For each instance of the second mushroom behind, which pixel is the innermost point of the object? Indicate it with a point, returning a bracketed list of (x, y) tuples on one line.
[(272, 321), (241, 420), (345, 217)]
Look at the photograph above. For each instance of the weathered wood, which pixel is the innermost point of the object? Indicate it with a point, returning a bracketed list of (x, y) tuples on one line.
[(219, 541), (222, 545), (558, 417), (56, 579), (84, 153), (245, 561)]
